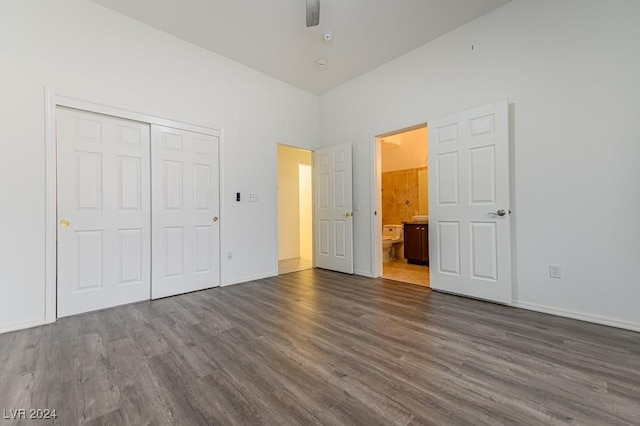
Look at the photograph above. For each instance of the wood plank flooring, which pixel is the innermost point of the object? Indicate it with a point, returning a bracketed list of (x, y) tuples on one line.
[(317, 347)]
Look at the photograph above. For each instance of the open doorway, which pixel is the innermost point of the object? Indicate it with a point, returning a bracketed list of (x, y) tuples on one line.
[(404, 205), (295, 210)]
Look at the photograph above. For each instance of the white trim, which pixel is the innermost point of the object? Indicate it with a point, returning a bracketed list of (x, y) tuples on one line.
[(597, 319), (314, 232), (50, 215), (364, 273), (276, 227), (221, 203), (52, 100), (249, 278), (376, 211), (513, 212), (22, 325), (61, 100)]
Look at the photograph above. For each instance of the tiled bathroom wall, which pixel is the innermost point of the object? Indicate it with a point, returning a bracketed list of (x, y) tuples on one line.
[(400, 196)]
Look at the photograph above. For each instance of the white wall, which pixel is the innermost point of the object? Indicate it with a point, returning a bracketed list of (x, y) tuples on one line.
[(306, 208), (83, 50), (570, 69)]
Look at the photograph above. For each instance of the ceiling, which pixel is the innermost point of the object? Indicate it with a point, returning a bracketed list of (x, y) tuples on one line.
[(271, 36)]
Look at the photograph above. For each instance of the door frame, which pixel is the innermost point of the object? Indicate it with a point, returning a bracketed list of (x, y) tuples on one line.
[(55, 98), (276, 227), (376, 186), (376, 198)]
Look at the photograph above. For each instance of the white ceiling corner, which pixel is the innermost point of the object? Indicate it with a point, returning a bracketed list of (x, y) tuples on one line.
[(271, 36)]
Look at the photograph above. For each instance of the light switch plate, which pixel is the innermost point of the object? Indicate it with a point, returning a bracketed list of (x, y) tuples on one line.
[(555, 271)]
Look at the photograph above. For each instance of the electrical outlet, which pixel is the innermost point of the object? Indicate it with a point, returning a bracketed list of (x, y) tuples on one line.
[(555, 271), (229, 255)]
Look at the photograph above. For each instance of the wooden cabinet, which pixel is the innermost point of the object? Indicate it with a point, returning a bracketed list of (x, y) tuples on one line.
[(416, 243)]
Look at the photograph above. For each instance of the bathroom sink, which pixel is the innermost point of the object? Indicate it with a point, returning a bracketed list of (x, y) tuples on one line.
[(420, 218)]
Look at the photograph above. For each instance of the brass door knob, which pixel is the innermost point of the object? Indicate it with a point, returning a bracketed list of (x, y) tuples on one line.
[(347, 214), (64, 223), (215, 218)]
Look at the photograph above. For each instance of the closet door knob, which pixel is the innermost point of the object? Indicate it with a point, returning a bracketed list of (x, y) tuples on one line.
[(64, 223), (215, 218)]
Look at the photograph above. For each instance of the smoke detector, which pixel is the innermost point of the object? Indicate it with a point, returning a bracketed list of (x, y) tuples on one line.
[(321, 63), (327, 36)]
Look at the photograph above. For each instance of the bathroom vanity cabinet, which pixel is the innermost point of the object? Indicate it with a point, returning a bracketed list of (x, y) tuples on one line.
[(416, 242)]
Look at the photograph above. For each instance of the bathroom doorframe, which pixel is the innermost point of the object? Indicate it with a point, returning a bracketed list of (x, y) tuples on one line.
[(376, 186), (276, 224)]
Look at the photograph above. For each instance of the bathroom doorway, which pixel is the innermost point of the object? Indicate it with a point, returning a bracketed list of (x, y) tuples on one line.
[(402, 183), (295, 209)]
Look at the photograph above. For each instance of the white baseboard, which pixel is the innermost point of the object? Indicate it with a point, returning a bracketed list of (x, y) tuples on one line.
[(247, 278), (612, 322), (6, 328)]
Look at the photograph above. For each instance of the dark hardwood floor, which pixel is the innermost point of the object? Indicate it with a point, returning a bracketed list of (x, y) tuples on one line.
[(316, 347)]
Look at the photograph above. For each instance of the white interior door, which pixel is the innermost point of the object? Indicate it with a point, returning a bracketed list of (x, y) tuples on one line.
[(333, 180), (185, 193), (103, 211), (469, 223)]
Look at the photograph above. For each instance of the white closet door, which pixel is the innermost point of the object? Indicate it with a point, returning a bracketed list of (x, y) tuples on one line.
[(185, 193), (103, 211)]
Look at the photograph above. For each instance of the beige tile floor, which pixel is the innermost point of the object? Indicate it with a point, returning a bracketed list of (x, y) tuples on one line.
[(295, 264), (400, 270)]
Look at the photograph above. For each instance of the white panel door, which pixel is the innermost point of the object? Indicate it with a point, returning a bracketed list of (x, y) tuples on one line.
[(333, 216), (469, 223), (103, 211), (185, 194)]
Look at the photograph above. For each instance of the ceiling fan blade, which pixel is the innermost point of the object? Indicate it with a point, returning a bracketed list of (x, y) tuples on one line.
[(313, 13)]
